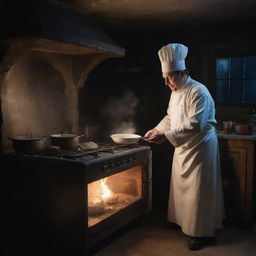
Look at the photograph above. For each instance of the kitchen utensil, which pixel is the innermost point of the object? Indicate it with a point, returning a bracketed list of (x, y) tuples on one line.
[(28, 144), (243, 129), (65, 140), (126, 138), (227, 126)]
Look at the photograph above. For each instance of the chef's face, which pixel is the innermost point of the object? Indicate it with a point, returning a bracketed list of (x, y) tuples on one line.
[(174, 80)]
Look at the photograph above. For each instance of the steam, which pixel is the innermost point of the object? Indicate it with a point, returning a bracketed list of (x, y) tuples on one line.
[(121, 113)]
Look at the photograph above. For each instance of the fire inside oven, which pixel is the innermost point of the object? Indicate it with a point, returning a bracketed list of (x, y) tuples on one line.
[(111, 194)]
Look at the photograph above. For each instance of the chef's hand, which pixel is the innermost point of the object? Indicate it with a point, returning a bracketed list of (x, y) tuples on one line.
[(154, 136)]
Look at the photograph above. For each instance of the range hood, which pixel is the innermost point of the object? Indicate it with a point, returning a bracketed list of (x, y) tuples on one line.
[(54, 27), (47, 51)]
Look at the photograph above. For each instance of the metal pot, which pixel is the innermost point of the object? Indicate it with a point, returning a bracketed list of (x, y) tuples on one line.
[(65, 140), (243, 129), (126, 138), (28, 144)]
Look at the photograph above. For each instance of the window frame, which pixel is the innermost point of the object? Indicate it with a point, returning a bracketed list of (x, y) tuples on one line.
[(232, 80)]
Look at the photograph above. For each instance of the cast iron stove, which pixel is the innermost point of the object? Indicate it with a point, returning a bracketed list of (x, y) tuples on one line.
[(59, 200)]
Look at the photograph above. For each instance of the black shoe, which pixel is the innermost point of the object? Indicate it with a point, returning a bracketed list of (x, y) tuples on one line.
[(195, 243)]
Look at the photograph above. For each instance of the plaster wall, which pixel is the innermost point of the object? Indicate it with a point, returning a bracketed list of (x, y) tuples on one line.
[(39, 97)]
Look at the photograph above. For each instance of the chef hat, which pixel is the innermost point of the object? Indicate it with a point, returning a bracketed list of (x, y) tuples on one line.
[(172, 57)]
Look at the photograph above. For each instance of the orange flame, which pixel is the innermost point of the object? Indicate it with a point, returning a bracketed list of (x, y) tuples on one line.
[(106, 192)]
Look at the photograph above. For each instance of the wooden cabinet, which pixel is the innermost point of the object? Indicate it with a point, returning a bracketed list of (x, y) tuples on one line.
[(237, 164)]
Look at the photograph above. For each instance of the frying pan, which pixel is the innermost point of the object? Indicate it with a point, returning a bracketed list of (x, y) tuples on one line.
[(126, 138)]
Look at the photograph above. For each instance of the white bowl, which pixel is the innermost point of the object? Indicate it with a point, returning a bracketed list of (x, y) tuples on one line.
[(125, 138)]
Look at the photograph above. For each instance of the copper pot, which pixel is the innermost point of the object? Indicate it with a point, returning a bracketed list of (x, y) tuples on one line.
[(243, 129)]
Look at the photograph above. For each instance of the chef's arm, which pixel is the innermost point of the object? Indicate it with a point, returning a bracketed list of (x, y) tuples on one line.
[(157, 134), (164, 124), (196, 123)]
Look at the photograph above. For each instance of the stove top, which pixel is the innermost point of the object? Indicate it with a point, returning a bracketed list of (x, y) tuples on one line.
[(102, 152)]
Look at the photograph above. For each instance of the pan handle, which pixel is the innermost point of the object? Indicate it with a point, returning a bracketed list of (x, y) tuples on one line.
[(145, 137)]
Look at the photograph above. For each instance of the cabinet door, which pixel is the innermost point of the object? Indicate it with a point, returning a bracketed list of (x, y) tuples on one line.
[(237, 176)]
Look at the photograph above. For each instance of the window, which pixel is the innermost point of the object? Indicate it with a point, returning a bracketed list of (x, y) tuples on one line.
[(236, 80)]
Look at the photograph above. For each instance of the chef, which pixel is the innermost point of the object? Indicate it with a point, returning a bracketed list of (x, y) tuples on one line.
[(196, 198)]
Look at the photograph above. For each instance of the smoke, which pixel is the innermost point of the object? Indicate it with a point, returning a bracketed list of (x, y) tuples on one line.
[(120, 113)]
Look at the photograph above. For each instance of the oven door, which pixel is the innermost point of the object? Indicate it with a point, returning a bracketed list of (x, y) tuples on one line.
[(118, 192)]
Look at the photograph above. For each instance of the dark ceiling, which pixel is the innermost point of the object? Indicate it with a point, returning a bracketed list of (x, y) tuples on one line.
[(164, 13)]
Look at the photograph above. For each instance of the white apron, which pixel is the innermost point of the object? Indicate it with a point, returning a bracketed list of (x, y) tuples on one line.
[(196, 198)]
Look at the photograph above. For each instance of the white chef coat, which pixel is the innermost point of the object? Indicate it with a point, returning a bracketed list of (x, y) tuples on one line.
[(196, 198)]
